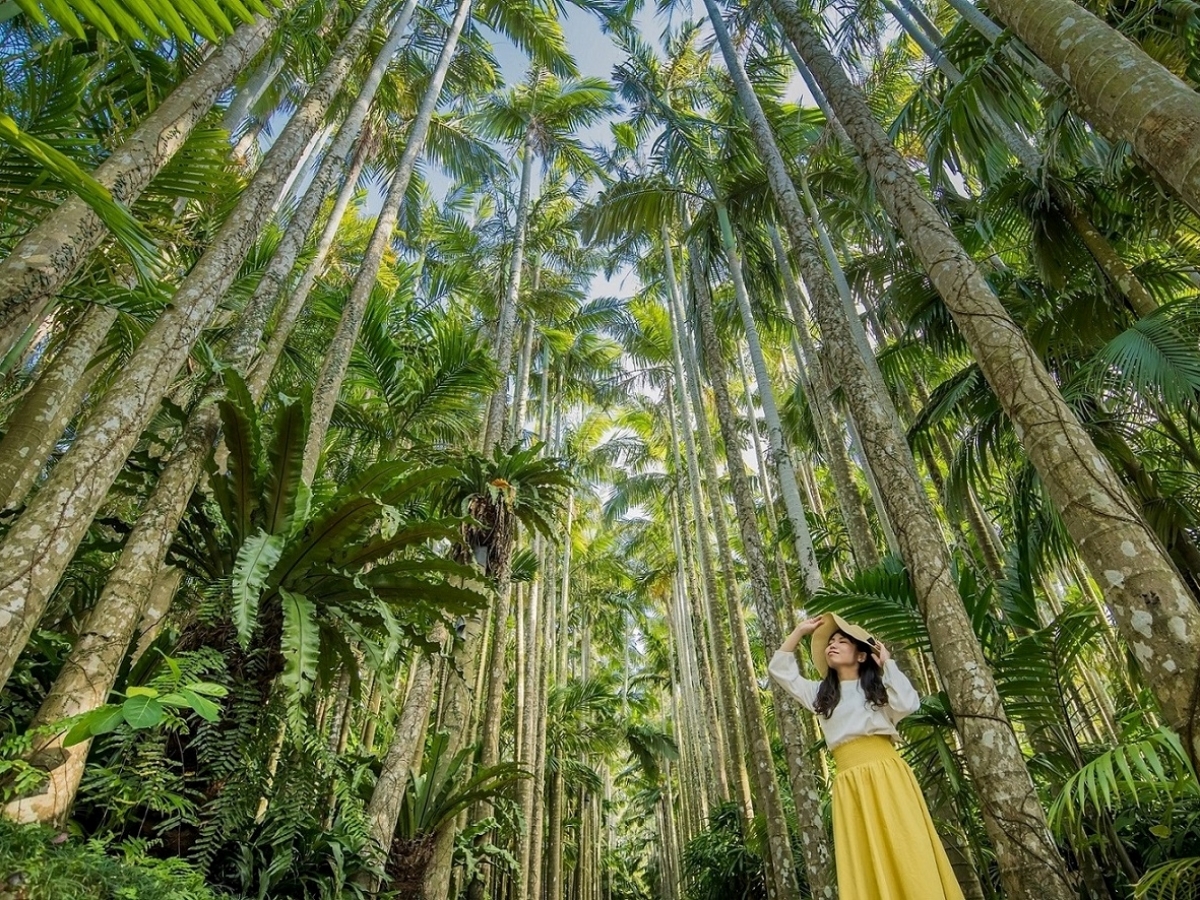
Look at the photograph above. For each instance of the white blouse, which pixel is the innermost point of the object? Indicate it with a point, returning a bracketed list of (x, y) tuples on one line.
[(853, 716)]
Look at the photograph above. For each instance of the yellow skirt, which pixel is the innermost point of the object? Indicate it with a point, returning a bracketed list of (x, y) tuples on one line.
[(883, 836)]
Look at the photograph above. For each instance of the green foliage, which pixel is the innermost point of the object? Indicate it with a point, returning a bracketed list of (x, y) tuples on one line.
[(445, 785), (718, 863), (145, 706), (39, 863), (137, 19)]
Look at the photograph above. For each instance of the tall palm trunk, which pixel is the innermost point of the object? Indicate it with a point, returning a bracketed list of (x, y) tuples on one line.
[(1117, 86), (805, 786), (820, 398), (718, 637), (337, 358), (1152, 606), (264, 365), (46, 258), (38, 422), (1029, 862), (249, 93), (723, 601), (781, 458), (37, 549), (506, 324), (403, 754)]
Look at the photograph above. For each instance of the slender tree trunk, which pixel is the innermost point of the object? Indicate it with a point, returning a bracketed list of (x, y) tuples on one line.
[(337, 357), (46, 258), (264, 365), (250, 93), (506, 325), (1151, 604), (403, 755), (1117, 86), (726, 640), (806, 789), (820, 400), (36, 425), (781, 459)]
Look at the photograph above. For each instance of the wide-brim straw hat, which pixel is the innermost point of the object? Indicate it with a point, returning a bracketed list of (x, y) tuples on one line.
[(832, 622)]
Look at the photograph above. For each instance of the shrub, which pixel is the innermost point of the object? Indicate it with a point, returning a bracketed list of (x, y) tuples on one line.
[(38, 863)]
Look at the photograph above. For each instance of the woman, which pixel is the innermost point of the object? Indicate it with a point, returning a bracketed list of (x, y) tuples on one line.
[(883, 836)]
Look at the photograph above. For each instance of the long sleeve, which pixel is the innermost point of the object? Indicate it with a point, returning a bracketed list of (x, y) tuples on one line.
[(903, 698), (784, 670)]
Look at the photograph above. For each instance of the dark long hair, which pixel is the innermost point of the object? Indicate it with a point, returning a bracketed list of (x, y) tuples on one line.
[(870, 679)]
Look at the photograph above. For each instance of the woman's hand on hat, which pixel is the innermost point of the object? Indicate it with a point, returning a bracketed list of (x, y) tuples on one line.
[(805, 628), (881, 653), (808, 626)]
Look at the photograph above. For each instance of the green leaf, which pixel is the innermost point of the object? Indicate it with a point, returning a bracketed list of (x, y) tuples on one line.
[(115, 216), (142, 712), (300, 643), (285, 461), (255, 561), (136, 691), (101, 720)]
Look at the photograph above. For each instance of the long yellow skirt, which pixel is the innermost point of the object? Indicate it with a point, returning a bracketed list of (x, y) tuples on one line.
[(883, 836)]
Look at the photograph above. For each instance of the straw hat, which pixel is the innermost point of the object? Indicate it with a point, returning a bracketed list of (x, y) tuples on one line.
[(820, 638)]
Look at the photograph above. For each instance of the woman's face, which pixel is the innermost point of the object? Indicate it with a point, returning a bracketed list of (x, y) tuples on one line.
[(843, 654)]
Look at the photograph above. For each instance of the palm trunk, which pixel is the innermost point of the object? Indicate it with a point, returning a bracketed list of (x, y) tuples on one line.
[(1028, 860), (36, 425), (337, 359), (260, 372), (246, 96), (781, 459), (506, 325), (1117, 86), (1152, 606), (727, 640), (402, 756), (46, 258), (40, 544), (820, 399), (805, 787)]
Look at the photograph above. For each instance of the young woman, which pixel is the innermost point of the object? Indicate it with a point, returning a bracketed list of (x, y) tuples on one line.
[(883, 836)]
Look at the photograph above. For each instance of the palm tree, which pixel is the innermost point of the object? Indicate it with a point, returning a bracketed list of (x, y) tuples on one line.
[(542, 116)]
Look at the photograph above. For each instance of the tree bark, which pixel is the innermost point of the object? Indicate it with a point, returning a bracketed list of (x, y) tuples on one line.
[(781, 459), (337, 358), (824, 411), (506, 324), (403, 755), (41, 543), (46, 258), (36, 425)]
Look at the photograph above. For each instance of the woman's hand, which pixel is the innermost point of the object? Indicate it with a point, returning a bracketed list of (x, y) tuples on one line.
[(805, 628), (808, 626), (881, 653)]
